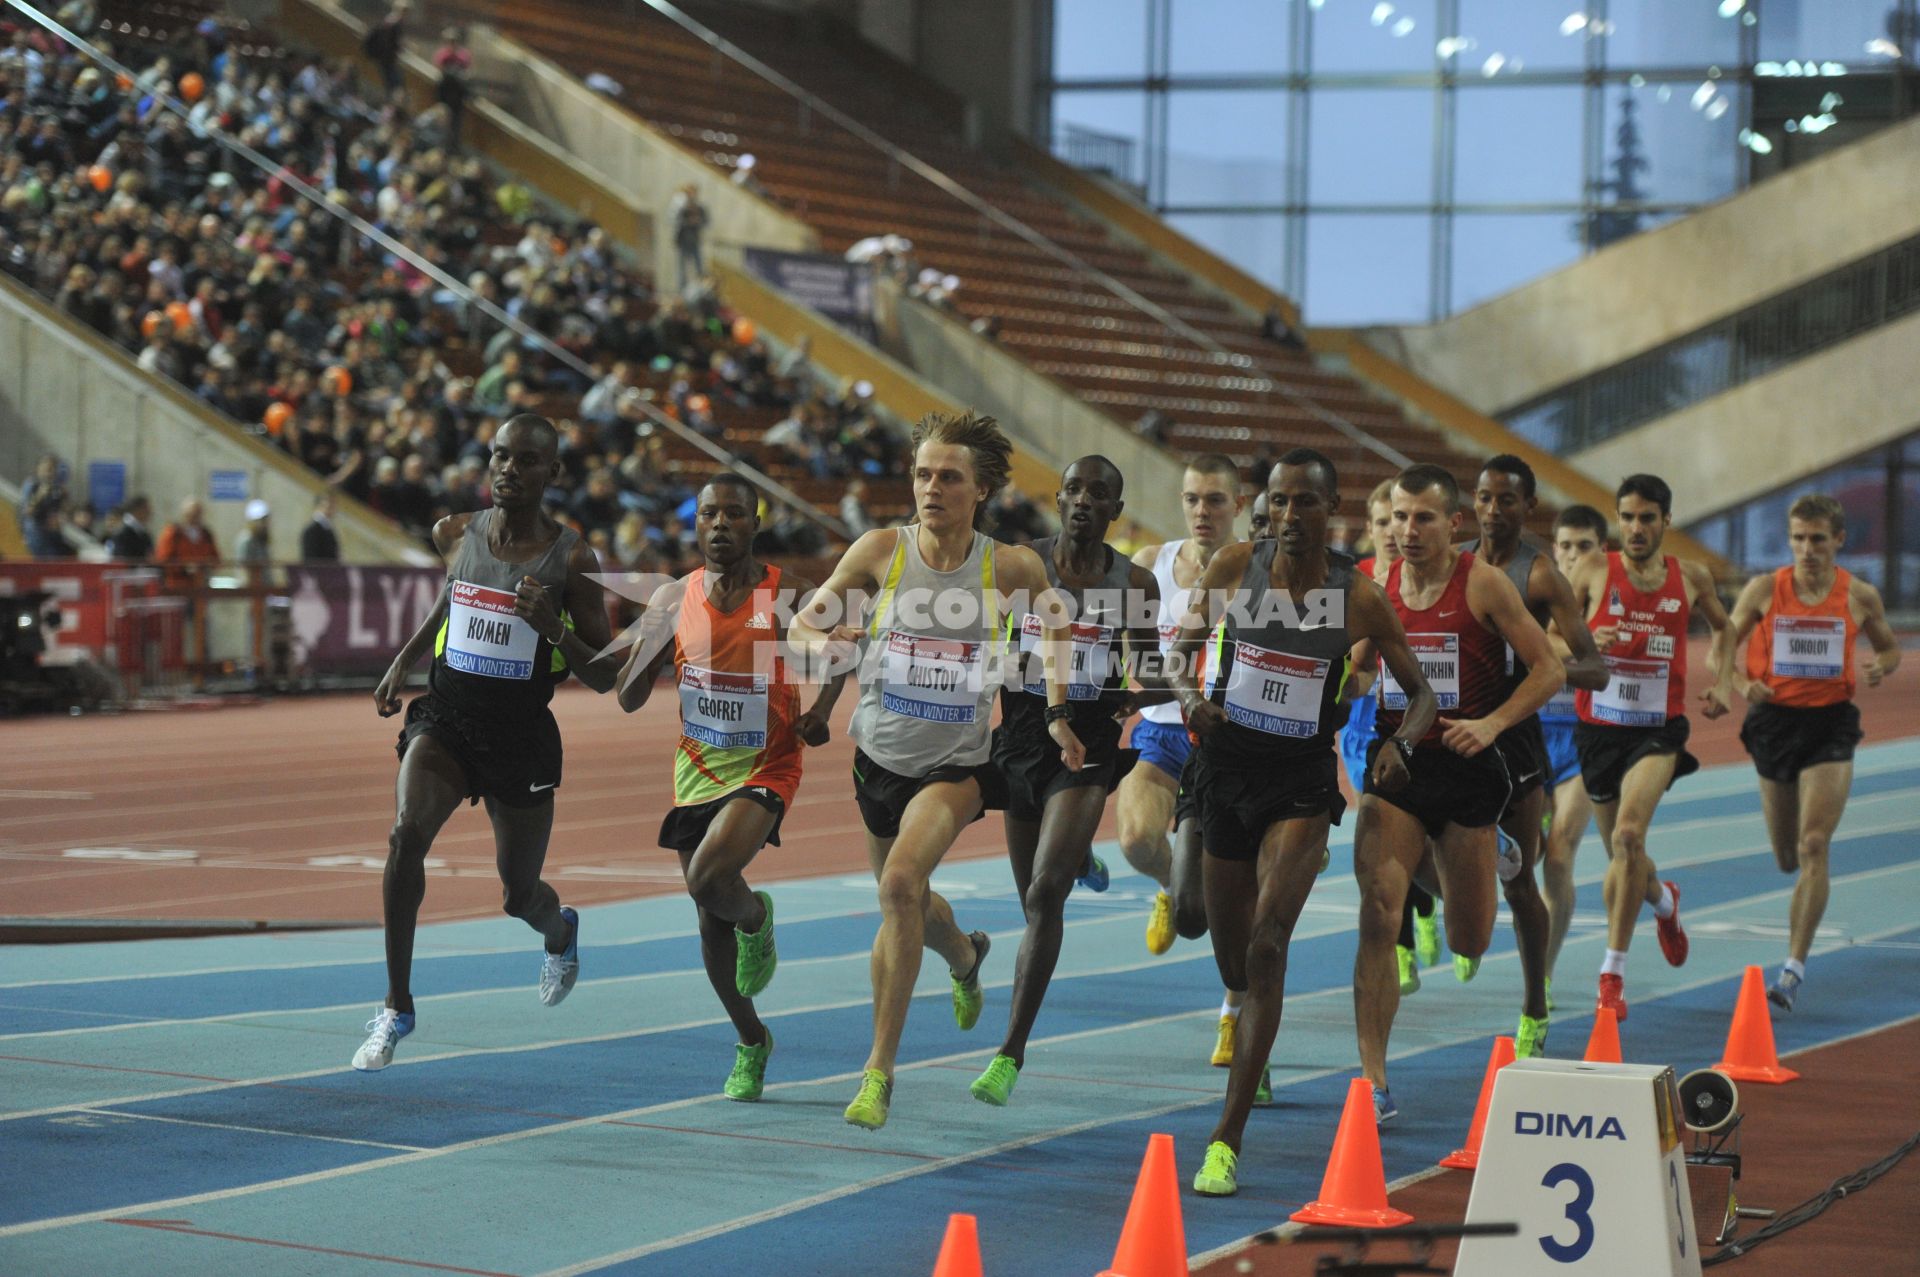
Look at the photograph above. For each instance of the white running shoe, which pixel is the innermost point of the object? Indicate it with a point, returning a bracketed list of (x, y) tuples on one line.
[(1511, 859), (384, 1031), (558, 971)]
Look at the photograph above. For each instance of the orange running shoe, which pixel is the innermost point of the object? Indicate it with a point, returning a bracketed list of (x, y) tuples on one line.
[(1613, 995), (1673, 937)]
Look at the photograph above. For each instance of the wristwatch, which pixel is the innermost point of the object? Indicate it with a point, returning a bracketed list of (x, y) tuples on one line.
[(1405, 747), (1058, 714)]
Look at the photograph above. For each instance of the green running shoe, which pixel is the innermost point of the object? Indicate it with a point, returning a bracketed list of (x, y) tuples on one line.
[(995, 1086), (1263, 1094), (869, 1108), (749, 1076), (1464, 969), (1426, 937), (967, 997), (1216, 1173), (1549, 994), (754, 957), (1531, 1038), (1409, 972)]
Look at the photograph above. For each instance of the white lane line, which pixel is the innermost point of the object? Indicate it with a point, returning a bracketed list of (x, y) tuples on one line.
[(250, 1130)]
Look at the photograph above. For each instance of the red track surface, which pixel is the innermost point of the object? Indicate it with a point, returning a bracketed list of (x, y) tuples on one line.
[(258, 793)]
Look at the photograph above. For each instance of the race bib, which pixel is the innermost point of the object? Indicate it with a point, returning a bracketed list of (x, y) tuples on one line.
[(1439, 657), (726, 711), (1809, 646), (1275, 692), (934, 679), (1636, 695), (485, 637), (1092, 658), (1560, 706)]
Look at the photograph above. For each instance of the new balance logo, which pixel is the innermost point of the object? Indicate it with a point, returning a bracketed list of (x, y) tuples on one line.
[(1668, 605)]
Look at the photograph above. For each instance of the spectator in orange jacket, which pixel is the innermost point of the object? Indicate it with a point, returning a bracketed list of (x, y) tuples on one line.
[(186, 540)]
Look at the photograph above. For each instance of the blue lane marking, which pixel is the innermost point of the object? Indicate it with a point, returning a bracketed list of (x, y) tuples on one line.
[(1070, 1194)]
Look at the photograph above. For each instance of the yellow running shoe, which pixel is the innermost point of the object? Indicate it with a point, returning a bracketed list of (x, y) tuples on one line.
[(1160, 931), (1223, 1049), (869, 1108), (1216, 1178)]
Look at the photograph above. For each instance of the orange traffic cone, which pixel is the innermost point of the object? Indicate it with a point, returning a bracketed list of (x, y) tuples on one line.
[(1153, 1243), (1750, 1056), (1603, 1044), (960, 1252), (1465, 1159), (1353, 1193)]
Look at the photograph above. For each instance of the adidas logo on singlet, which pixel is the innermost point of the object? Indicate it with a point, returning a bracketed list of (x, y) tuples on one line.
[(759, 621)]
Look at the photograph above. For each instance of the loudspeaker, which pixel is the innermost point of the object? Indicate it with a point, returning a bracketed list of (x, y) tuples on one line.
[(1709, 1101)]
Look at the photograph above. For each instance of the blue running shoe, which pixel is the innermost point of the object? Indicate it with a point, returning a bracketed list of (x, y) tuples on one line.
[(1384, 1109), (558, 971), (1094, 875)]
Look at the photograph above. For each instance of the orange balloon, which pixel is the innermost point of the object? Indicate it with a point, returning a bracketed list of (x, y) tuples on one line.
[(180, 315), (101, 176), (278, 414), (337, 381), (192, 86), (123, 82), (149, 323), (744, 331)]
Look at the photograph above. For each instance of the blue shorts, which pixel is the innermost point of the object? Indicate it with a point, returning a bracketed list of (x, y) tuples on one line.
[(1563, 761), (1165, 745), (1354, 739)]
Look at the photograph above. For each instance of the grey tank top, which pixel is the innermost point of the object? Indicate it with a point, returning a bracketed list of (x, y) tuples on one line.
[(487, 661), (1281, 662), (1099, 626), (930, 662), (1519, 570)]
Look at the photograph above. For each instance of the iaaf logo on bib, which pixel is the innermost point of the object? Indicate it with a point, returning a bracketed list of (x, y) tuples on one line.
[(1567, 1126)]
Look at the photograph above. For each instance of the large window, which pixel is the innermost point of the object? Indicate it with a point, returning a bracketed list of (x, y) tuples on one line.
[(1517, 134)]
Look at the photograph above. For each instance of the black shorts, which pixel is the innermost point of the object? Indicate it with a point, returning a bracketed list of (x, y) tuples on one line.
[(1444, 788), (1524, 746), (1033, 773), (685, 828), (1785, 740), (1186, 802), (1608, 752), (515, 764), (1239, 804), (883, 795)]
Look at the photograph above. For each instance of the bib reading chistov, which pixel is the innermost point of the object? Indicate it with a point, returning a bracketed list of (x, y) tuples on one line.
[(1635, 695), (1587, 1159), (1809, 646), (1439, 657), (1275, 692), (485, 636), (1092, 658), (726, 711), (933, 679)]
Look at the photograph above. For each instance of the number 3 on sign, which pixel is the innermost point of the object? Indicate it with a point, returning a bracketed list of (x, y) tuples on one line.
[(1579, 1210)]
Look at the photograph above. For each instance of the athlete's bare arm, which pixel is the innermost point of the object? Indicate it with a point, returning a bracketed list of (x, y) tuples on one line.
[(1870, 613), (826, 630), (814, 726), (1589, 586), (1706, 603), (585, 644), (1217, 583), (1492, 598), (1143, 643), (1748, 611), (1373, 620), (1548, 589), (653, 648), (1145, 555), (386, 697), (1018, 570)]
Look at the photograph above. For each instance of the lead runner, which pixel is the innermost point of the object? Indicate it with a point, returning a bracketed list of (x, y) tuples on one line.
[(922, 773)]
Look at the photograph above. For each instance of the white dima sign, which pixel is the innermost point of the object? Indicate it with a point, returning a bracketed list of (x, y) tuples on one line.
[(1587, 1158)]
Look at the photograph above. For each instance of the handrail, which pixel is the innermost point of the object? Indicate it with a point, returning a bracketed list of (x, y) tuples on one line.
[(307, 192), (1021, 230)]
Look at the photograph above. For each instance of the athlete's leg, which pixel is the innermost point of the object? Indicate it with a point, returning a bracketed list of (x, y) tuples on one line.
[(718, 951), (1572, 809), (1388, 844), (1823, 798), (1144, 809), (1780, 805), (715, 872), (430, 787), (1188, 886), (1464, 862), (519, 853), (1066, 831), (908, 914), (1631, 879), (1289, 862), (942, 934), (1522, 823), (1232, 887)]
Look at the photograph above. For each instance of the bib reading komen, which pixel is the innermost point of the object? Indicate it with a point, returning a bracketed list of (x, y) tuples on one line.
[(485, 636)]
